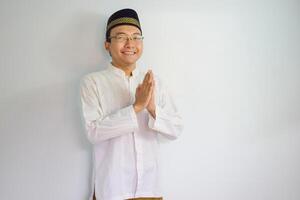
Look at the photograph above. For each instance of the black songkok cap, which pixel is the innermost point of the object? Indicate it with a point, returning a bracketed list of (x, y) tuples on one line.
[(125, 16)]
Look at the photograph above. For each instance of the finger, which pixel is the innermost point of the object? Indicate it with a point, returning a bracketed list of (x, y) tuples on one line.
[(151, 76), (149, 87), (153, 83), (147, 83), (138, 87), (151, 92), (146, 78), (151, 79)]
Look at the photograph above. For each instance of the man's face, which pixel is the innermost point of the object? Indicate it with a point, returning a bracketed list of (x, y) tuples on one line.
[(124, 53)]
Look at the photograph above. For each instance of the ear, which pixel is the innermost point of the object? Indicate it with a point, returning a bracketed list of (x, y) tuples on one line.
[(107, 45)]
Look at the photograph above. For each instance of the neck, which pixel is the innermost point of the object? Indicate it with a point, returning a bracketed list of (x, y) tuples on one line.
[(126, 68)]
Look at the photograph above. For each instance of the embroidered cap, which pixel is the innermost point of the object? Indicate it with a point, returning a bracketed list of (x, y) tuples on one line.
[(125, 16)]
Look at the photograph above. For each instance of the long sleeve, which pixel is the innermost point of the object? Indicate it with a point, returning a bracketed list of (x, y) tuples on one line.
[(100, 126), (168, 121)]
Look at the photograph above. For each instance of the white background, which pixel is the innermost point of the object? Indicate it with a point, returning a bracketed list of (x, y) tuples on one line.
[(232, 66)]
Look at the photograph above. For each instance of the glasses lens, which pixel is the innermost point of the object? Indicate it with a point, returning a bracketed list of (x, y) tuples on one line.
[(123, 38)]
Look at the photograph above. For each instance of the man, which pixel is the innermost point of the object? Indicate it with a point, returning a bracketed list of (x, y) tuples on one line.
[(125, 110)]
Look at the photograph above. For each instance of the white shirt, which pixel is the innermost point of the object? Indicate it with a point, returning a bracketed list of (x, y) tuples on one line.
[(126, 144)]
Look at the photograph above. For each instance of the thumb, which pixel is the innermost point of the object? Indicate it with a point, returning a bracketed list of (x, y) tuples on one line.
[(139, 86)]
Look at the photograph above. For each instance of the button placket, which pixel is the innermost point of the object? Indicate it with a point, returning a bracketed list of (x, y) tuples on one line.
[(131, 89), (139, 160), (137, 142)]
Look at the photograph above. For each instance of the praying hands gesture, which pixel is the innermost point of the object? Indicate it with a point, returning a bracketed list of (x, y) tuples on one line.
[(144, 95)]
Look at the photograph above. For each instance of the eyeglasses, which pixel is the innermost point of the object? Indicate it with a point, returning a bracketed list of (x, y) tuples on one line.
[(124, 38)]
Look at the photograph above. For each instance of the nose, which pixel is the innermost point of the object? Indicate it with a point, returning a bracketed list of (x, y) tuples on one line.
[(129, 42)]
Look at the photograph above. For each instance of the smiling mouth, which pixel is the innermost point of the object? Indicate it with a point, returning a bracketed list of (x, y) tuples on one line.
[(128, 53)]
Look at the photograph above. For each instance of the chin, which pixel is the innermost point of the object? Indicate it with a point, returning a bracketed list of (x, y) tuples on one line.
[(130, 61)]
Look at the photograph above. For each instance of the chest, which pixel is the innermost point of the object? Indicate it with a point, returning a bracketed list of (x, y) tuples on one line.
[(116, 92)]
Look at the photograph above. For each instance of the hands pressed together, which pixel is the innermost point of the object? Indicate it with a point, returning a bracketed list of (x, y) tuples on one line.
[(145, 96)]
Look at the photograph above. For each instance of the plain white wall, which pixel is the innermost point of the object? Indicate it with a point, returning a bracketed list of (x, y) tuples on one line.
[(233, 67)]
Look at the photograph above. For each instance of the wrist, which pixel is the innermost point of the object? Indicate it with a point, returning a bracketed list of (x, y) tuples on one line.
[(151, 108), (152, 113), (137, 108)]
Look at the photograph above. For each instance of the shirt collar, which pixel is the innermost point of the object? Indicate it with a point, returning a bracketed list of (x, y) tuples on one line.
[(120, 72)]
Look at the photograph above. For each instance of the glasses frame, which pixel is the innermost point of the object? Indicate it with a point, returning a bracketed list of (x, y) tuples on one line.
[(127, 38)]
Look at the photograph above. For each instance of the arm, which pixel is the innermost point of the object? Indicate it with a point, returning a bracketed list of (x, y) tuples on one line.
[(166, 119), (101, 127)]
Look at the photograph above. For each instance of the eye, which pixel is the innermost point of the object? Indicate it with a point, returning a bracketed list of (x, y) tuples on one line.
[(120, 37), (137, 37)]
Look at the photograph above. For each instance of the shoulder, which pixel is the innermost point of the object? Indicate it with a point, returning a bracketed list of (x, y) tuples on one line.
[(94, 77)]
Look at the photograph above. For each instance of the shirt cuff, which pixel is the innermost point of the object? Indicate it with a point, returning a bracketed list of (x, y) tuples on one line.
[(154, 123)]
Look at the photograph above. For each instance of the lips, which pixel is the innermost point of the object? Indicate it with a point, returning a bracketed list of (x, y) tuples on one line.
[(128, 53)]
